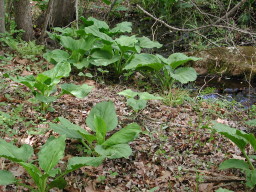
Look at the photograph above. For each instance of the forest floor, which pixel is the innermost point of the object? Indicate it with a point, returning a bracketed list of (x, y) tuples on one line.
[(177, 150)]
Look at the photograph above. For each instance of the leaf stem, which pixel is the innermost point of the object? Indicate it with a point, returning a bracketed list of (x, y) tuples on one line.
[(248, 160), (24, 185), (84, 144)]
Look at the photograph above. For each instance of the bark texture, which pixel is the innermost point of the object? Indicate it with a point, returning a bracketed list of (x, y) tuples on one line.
[(2, 15), (23, 18), (63, 13)]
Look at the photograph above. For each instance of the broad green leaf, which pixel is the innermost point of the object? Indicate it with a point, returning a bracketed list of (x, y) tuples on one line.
[(79, 91), (248, 137), (125, 135), (28, 81), (252, 156), (250, 178), (56, 56), (65, 127), (122, 28), (231, 134), (54, 172), (184, 74), (51, 153), (105, 62), (177, 59), (11, 152), (106, 111), (105, 53), (145, 60), (115, 151), (251, 122), (44, 80), (6, 178), (128, 93), (59, 183), (80, 44), (84, 63), (33, 171), (223, 190), (101, 129), (126, 41), (148, 96), (234, 163), (93, 30), (103, 56), (147, 43), (99, 24), (45, 99), (107, 2), (78, 162), (61, 70), (137, 104)]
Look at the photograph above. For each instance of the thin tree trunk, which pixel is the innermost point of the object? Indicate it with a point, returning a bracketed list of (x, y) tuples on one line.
[(48, 15), (63, 12), (23, 18), (2, 17)]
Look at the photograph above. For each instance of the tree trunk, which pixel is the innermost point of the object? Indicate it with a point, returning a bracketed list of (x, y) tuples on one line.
[(23, 18), (2, 17), (63, 13)]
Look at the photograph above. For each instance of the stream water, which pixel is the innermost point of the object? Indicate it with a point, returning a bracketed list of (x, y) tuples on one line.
[(229, 88)]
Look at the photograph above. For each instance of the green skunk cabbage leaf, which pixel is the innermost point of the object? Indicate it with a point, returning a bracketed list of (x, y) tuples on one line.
[(122, 28), (6, 177), (148, 96), (128, 93), (33, 171), (93, 30), (102, 53), (177, 59), (78, 162), (51, 153), (105, 61), (145, 60), (11, 152), (127, 41), (223, 190), (103, 57), (184, 74), (124, 135), (106, 111), (28, 80), (79, 91), (231, 134), (115, 151), (136, 104), (59, 183), (250, 138), (251, 123), (234, 163), (107, 2), (101, 129), (45, 99), (81, 64), (251, 178), (59, 71), (147, 43), (56, 56), (73, 44), (99, 24), (65, 127)]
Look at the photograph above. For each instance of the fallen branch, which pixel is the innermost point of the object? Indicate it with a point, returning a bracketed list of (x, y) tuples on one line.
[(195, 29)]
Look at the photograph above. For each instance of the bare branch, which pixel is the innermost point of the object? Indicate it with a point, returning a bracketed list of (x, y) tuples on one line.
[(195, 29)]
